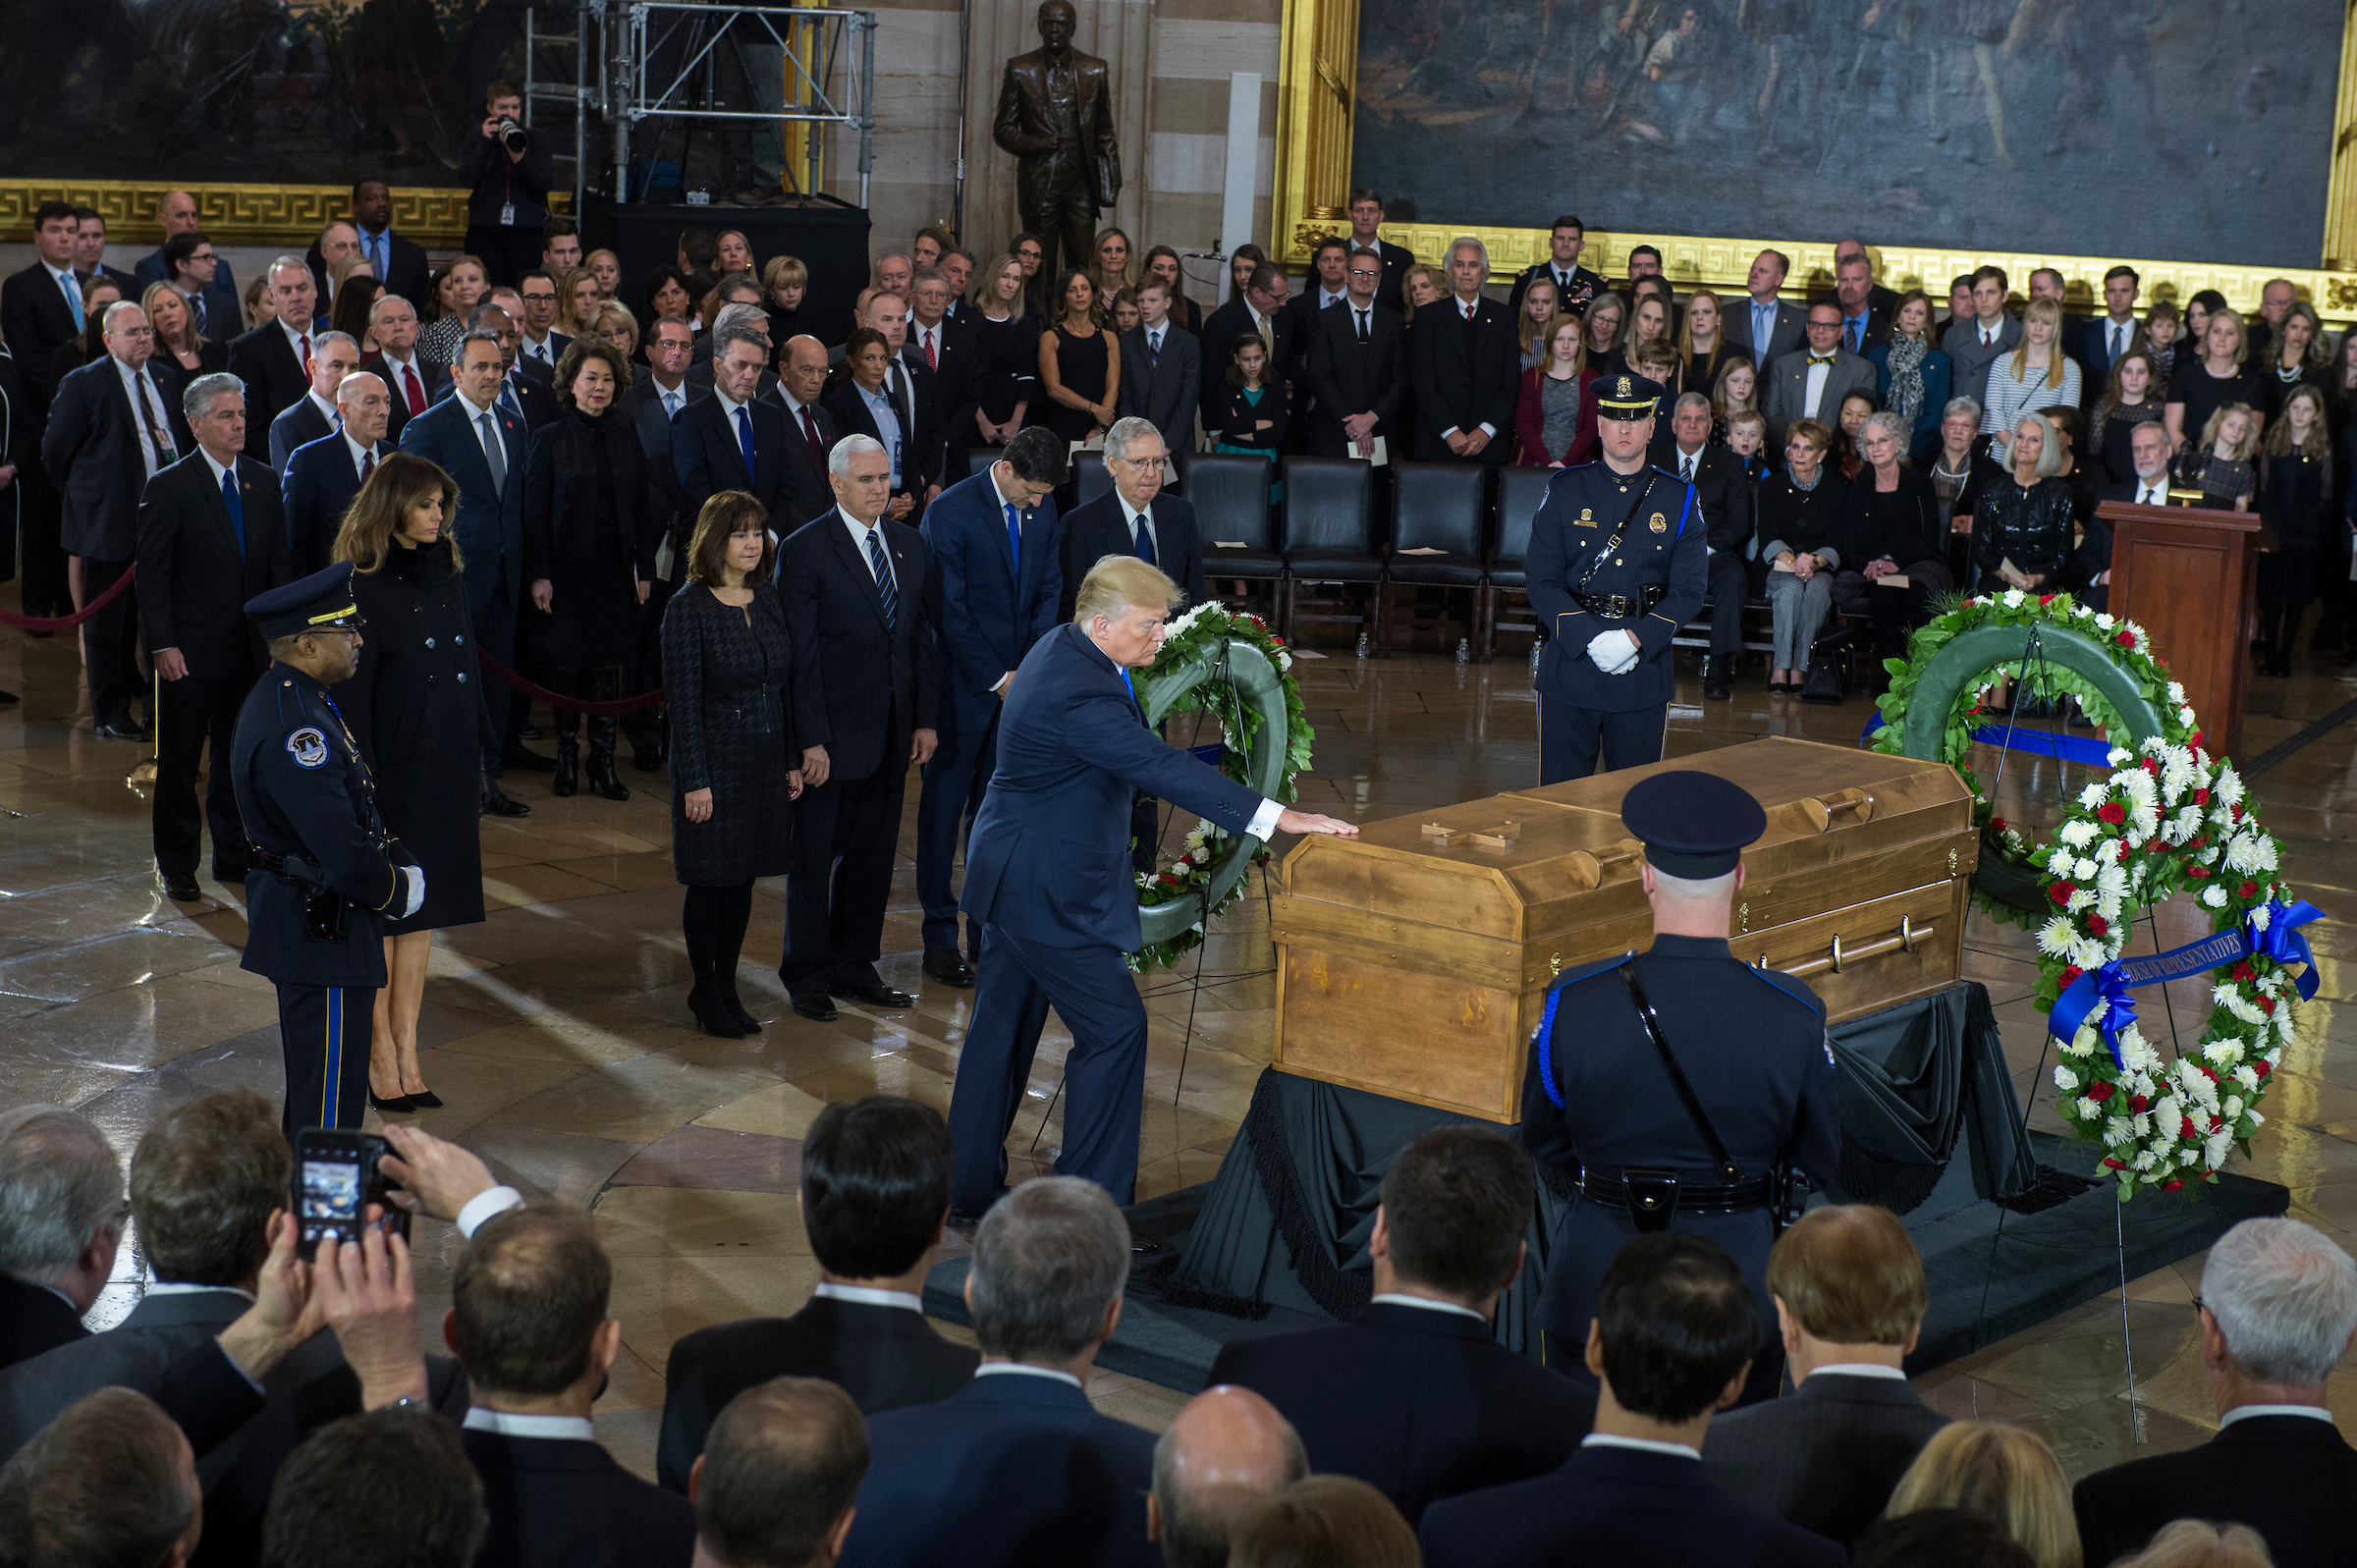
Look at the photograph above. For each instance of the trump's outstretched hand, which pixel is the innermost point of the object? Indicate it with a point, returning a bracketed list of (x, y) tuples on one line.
[(1289, 821)]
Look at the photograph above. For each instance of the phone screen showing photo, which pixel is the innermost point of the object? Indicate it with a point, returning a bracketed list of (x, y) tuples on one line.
[(331, 1198)]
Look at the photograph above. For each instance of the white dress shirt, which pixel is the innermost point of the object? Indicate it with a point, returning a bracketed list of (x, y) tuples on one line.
[(2151, 492), (1644, 1446), (1400, 1298), (993, 1369), (871, 1296), (359, 454), (544, 350), (880, 410), (1133, 517), (928, 341), (220, 473), (70, 286), (1328, 297), (860, 535), (475, 417), (1859, 1369), (399, 386), (145, 402), (568, 1429), (335, 415), (2245, 1412), (673, 399), (485, 1203), (1815, 394), (297, 340)]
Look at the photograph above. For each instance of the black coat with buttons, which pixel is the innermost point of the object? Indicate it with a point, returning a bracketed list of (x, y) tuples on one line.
[(417, 708)]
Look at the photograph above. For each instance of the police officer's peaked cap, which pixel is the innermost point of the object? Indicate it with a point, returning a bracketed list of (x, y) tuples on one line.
[(1693, 825), (1627, 397), (320, 602)]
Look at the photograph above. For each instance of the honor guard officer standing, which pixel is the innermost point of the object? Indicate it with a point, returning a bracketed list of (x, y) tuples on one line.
[(1680, 1088), (1617, 563), (325, 874)]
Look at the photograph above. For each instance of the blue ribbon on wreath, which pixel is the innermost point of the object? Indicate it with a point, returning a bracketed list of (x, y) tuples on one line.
[(2281, 941), (2107, 984)]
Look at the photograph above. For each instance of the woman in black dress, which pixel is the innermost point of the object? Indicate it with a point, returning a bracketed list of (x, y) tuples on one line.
[(416, 707), (589, 538), (2211, 374), (1079, 366), (727, 665), (1005, 337), (2296, 493), (2132, 397), (1890, 525), (1799, 535)]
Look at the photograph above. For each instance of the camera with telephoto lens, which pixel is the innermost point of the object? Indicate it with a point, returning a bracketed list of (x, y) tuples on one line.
[(513, 136)]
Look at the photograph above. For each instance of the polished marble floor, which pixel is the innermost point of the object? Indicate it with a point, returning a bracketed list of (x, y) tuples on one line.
[(558, 1034)]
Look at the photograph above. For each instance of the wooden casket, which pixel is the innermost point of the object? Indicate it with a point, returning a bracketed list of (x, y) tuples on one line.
[(1415, 960)]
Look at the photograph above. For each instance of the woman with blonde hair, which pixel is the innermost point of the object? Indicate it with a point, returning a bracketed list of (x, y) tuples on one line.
[(2038, 374), (1648, 322), (1534, 324), (180, 350), (2209, 374), (1112, 266), (2005, 1475), (416, 707), (1324, 1522), (1702, 346), (1419, 284), (1007, 347), (576, 296), (2199, 1543), (606, 267), (612, 320), (456, 291)]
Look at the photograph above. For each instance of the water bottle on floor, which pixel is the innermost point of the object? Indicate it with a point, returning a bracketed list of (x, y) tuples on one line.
[(1465, 650), (1362, 645)]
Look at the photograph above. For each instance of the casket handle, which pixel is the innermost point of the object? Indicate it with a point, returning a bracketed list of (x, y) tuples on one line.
[(1822, 812), (1588, 868), (1907, 938)]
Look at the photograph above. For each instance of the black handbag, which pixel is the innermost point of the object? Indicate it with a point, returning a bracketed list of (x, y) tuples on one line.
[(1828, 680)]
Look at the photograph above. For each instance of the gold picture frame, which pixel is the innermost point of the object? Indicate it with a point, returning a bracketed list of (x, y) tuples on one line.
[(1317, 93), (434, 216)]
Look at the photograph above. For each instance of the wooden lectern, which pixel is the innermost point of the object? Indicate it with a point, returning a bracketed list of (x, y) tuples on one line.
[(2190, 578)]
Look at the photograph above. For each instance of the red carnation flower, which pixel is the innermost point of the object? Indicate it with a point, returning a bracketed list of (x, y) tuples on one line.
[(2046, 599), (2198, 873), (2243, 970), (2197, 841), (2152, 765), (2206, 1071), (2249, 889), (2101, 1089), (2267, 1005), (2200, 797), (2098, 926), (2139, 1103), (1279, 642), (2216, 1123), (2237, 809), (2114, 1164), (2060, 893), (2173, 1185), (2112, 812), (2070, 975), (1997, 825), (2127, 638), (2194, 739), (2188, 1129), (2260, 1068)]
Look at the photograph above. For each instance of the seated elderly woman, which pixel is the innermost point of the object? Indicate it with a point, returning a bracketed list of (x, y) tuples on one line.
[(1891, 529), (1799, 531)]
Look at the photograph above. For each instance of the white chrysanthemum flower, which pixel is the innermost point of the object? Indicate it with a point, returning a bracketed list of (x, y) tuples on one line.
[(2188, 1157), (2055, 937), (2094, 795), (2112, 882), (2137, 784), (2138, 632), (2012, 598), (2087, 952), (2084, 870), (2233, 1108), (2177, 691), (2080, 833), (2118, 755), (2117, 1131), (2228, 786), (2088, 1110), (2065, 1080), (2104, 623), (2137, 1056), (2144, 1160), (2108, 853), (2254, 1118), (2143, 1124), (2215, 897), (2221, 1052), (2079, 900), (2259, 918), (2247, 1076)]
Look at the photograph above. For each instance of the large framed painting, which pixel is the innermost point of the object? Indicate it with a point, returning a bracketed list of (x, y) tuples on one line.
[(2206, 131)]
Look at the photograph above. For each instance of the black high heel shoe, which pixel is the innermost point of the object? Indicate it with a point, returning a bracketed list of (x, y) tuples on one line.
[(427, 1101), (731, 1004), (711, 1013), (399, 1105)]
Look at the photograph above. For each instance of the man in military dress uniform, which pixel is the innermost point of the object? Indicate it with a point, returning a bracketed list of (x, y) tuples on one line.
[(1617, 563), (325, 874), (1697, 1128)]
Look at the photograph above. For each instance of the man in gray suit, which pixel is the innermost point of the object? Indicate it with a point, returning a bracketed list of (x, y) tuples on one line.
[(1811, 384), (1849, 1299), (1972, 347), (1162, 370), (1763, 326)]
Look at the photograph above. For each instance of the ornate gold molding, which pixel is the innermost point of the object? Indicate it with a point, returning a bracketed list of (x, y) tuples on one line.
[(435, 216), (1317, 87), (2340, 192)]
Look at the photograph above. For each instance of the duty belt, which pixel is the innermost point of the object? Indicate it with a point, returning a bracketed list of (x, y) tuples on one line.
[(1621, 605), (296, 869), (1651, 1197)]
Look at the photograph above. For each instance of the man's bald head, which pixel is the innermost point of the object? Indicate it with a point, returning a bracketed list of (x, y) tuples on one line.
[(1224, 1455)]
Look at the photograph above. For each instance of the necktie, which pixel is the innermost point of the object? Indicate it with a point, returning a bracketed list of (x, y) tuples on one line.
[(670, 405), (1468, 311), (1153, 350), (1363, 326), (1686, 467), (237, 507), (196, 311), (367, 466), (1130, 686), (745, 442), (155, 434), (507, 397), (932, 359), (376, 254), (306, 356), (1562, 283), (411, 390), (883, 571), (1821, 358), (1015, 540), (495, 451), (1145, 541), (1988, 337), (73, 292), (818, 446), (1857, 331), (2120, 340)]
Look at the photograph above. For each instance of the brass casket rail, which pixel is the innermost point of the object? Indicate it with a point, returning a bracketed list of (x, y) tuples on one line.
[(1415, 960)]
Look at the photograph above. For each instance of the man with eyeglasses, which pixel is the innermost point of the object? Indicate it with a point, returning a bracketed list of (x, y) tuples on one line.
[(1354, 369), (192, 266), (541, 341)]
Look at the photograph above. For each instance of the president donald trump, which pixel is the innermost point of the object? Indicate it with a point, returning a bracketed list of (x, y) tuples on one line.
[(1047, 874)]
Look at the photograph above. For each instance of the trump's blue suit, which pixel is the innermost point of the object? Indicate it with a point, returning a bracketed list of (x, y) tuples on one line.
[(1012, 1470), (1047, 873), (489, 528), (989, 609)]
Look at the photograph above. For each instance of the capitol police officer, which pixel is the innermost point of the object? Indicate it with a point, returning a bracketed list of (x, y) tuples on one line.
[(1680, 1088), (1617, 563), (325, 874)]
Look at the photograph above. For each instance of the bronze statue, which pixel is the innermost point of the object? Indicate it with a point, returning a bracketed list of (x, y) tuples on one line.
[(1056, 116)]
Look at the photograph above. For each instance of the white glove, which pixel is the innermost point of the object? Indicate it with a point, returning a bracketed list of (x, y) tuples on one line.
[(1613, 652), (416, 891)]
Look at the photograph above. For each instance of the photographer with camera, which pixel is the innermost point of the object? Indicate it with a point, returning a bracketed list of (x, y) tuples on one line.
[(507, 168)]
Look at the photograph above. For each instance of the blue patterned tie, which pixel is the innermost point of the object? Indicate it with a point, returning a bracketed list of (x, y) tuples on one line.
[(1145, 541), (745, 440), (1014, 539), (237, 507), (882, 570)]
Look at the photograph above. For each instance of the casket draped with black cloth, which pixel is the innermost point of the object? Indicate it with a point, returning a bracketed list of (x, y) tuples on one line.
[(1415, 960)]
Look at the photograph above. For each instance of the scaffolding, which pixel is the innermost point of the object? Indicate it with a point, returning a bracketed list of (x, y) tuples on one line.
[(635, 60)]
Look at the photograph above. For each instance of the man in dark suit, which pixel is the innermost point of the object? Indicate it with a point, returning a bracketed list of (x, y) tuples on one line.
[(529, 1325), (1135, 518), (1261, 309), (204, 1180), (1764, 326), (859, 596), (1724, 494), (2148, 486), (540, 342), (40, 311), (942, 1482), (2288, 1294), (110, 431), (733, 439), (1161, 369), (1811, 384), (1467, 370), (1973, 346), (1073, 749), (324, 475), (997, 584), (940, 346), (875, 1191), (224, 307), (1366, 220), (526, 387), (650, 405), (411, 383), (1881, 301), (1864, 321), (1574, 285), (1353, 355), (1324, 288), (1672, 1343), (2103, 340), (89, 252), (211, 535), (400, 263), (790, 1437), (480, 445), (274, 359), (111, 1479), (1849, 1298), (314, 415), (1416, 1396)]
